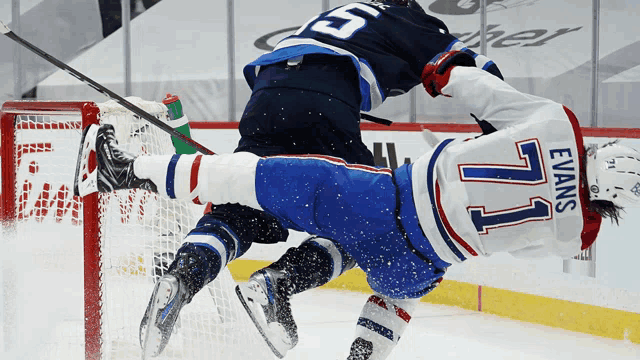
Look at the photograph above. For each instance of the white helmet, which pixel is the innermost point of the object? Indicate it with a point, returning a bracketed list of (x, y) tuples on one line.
[(613, 174)]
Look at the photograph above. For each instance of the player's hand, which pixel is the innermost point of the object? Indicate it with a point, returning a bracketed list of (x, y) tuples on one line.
[(435, 74)]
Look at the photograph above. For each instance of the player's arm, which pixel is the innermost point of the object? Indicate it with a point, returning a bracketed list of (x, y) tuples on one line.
[(453, 74), (426, 36), (480, 61)]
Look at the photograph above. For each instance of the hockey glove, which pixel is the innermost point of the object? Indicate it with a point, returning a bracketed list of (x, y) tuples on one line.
[(435, 74)]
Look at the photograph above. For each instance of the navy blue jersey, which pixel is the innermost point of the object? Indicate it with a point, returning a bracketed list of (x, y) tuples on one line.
[(389, 46)]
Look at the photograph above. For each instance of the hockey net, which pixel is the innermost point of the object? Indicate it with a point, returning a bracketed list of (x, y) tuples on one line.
[(81, 270)]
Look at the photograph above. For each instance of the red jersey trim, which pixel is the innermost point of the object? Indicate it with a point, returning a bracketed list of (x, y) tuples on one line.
[(337, 161), (448, 226), (591, 219), (193, 183)]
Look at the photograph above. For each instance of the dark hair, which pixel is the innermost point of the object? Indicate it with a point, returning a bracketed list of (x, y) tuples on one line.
[(604, 208)]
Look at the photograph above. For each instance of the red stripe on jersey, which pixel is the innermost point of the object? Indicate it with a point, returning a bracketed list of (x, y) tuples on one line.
[(402, 314), (378, 301), (195, 169), (447, 225), (193, 181), (590, 219), (337, 161)]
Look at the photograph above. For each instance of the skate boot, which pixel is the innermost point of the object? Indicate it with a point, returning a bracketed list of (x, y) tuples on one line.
[(171, 292), (113, 166), (265, 297), (361, 349)]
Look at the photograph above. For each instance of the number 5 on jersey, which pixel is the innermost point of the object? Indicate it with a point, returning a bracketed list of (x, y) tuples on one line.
[(340, 29)]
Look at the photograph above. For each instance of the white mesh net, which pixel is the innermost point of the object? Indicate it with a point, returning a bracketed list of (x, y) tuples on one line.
[(139, 233)]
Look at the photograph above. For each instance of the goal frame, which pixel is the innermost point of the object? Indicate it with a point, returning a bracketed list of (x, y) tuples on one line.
[(90, 114)]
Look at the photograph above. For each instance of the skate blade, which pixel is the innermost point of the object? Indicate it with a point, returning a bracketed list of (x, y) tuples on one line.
[(273, 335), (151, 335), (85, 181)]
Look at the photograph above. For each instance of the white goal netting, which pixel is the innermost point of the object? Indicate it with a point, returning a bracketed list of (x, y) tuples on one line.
[(56, 253)]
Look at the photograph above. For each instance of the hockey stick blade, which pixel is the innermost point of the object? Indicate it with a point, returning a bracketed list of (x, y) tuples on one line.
[(430, 137), (103, 90), (3, 28)]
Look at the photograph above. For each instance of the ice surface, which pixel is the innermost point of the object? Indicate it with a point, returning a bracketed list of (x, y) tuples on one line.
[(326, 322)]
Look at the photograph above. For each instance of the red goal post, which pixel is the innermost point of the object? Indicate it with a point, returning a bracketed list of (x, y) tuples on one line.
[(89, 114)]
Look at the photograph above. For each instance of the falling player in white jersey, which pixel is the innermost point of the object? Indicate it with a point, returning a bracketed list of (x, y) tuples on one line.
[(527, 186)]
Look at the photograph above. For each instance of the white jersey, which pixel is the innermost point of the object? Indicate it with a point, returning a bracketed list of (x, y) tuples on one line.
[(517, 190)]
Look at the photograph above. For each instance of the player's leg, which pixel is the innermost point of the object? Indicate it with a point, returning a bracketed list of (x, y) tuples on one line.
[(266, 295), (380, 325), (115, 166), (222, 235), (319, 260), (197, 262), (313, 123), (382, 322), (219, 237), (387, 313)]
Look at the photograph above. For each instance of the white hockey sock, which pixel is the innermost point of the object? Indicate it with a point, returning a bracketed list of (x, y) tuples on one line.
[(382, 321), (156, 169), (220, 179)]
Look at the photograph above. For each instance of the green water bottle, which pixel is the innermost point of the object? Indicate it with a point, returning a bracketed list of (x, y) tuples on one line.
[(179, 122)]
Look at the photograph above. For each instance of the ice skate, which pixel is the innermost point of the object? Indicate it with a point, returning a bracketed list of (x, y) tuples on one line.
[(361, 349), (171, 292), (102, 166), (265, 297)]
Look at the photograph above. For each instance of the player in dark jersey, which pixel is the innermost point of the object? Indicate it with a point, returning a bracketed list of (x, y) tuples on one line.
[(307, 95), (387, 46)]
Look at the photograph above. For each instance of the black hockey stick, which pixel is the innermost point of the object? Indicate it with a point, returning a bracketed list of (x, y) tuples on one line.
[(376, 119), (103, 90)]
